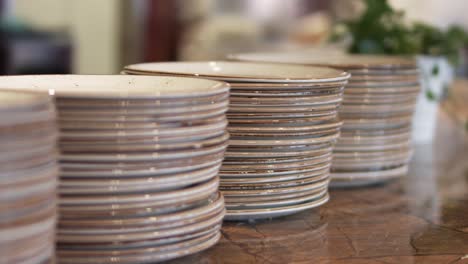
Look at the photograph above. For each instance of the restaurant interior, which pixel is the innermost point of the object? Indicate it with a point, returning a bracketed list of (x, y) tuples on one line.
[(220, 131)]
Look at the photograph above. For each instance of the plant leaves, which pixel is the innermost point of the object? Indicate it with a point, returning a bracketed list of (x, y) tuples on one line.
[(430, 95), (382, 30), (435, 70)]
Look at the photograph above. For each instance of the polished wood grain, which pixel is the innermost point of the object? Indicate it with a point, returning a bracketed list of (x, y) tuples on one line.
[(422, 218)]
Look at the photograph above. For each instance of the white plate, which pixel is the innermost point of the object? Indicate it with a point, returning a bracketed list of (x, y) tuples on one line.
[(25, 117), (367, 175), (341, 179), (382, 90), (110, 125), (239, 71), (245, 153), (132, 198), (284, 127), (377, 109), (261, 205), (136, 185), (157, 110), (271, 87), (379, 147), (269, 161), (146, 224), (149, 171), (113, 86), (284, 101), (272, 185), (184, 117), (287, 141), (141, 244), (312, 160), (270, 173), (155, 156), (240, 193), (150, 257), (137, 209), (137, 104), (377, 85), (373, 155), (250, 214), (214, 205), (281, 109), (106, 238), (182, 134), (344, 61), (22, 101), (365, 166), (254, 180)]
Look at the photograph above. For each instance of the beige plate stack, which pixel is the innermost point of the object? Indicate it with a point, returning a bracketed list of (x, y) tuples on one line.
[(377, 109), (140, 160), (283, 125), (28, 178)]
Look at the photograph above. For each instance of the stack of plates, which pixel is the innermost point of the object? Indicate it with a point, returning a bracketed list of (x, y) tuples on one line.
[(28, 178), (377, 109), (283, 125), (140, 160)]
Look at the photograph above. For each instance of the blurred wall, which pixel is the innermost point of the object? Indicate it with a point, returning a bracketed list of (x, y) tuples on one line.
[(94, 27), (437, 12)]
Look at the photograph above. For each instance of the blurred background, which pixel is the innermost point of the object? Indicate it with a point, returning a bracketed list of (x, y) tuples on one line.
[(99, 37)]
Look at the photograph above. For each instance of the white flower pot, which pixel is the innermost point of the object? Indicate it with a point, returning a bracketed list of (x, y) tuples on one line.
[(436, 76)]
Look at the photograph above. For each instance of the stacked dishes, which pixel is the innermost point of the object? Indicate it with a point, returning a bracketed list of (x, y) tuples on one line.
[(283, 125), (140, 159), (377, 109), (28, 178)]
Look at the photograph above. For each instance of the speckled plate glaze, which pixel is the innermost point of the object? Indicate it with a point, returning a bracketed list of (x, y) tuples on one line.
[(114, 86)]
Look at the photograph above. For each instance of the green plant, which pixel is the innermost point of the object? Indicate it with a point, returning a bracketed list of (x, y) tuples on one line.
[(383, 30), (436, 42)]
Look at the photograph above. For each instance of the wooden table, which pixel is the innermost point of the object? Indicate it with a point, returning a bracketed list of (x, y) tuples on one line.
[(422, 218)]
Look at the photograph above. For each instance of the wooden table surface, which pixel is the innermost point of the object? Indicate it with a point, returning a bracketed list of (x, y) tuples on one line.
[(422, 218)]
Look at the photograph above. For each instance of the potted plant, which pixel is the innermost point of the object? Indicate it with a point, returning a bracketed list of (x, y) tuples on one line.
[(380, 29)]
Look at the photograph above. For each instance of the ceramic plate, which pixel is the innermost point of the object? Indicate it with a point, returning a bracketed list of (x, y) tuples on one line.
[(360, 90), (392, 172), (362, 178), (287, 141), (276, 203), (271, 173), (239, 71), (149, 257), (250, 214), (113, 86), (318, 174), (106, 238), (143, 197), (135, 104), (275, 152), (182, 117), (344, 61), (377, 147), (242, 193), (283, 165), (136, 185), (112, 112)]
